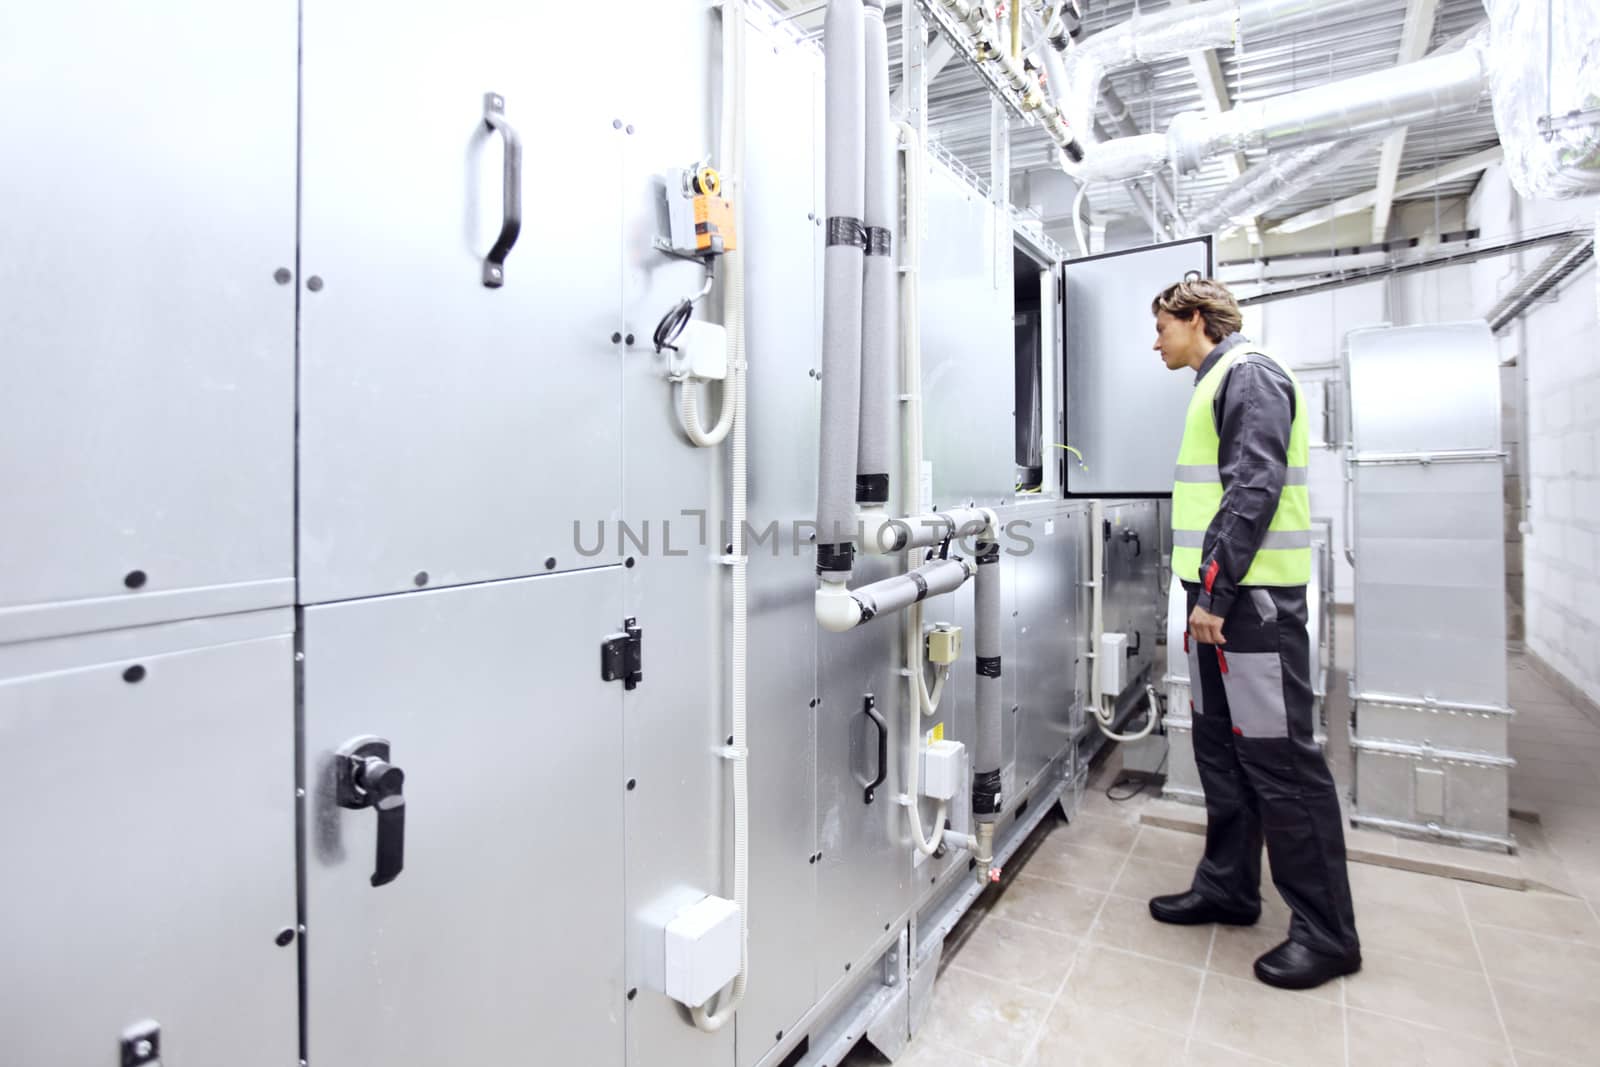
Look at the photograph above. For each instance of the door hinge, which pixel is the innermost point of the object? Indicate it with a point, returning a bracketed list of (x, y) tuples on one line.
[(622, 655)]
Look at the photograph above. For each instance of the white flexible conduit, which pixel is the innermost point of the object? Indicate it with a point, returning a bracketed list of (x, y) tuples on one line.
[(1106, 716), (689, 408), (733, 118), (920, 701)]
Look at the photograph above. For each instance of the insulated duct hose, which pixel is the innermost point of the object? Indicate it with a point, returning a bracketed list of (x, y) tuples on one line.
[(844, 36), (879, 287)]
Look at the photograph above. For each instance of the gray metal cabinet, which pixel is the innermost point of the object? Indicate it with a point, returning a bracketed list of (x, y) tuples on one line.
[(451, 432), (1112, 370), (966, 304), (147, 378), (148, 781), (500, 941), (1050, 633)]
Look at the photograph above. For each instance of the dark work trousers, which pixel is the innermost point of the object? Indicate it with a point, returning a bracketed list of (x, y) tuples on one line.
[(1262, 772)]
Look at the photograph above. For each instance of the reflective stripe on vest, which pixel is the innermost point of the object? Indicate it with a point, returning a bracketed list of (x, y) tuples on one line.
[(1285, 554)]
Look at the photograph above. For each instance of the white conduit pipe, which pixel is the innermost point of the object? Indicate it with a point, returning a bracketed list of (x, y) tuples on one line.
[(919, 702), (733, 118), (689, 414), (1357, 107), (844, 35)]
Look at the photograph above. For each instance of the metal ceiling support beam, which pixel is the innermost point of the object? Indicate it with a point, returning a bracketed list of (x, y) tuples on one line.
[(939, 53), (1455, 259), (1128, 126), (1417, 183), (1214, 92), (1414, 39)]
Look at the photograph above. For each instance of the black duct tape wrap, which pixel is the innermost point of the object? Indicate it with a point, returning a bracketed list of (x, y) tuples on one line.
[(986, 792), (989, 666), (835, 558), (880, 241), (844, 230), (872, 488)]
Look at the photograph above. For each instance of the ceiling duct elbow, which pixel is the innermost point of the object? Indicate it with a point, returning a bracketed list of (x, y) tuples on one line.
[(1540, 74)]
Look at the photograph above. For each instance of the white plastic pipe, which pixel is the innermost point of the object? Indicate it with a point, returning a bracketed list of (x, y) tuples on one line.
[(733, 119), (920, 702)]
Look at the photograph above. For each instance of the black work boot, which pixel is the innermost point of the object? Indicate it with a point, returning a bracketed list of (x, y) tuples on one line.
[(1294, 966), (1192, 909)]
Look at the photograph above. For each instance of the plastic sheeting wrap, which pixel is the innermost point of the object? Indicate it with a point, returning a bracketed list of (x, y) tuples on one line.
[(1142, 39), (1536, 70), (1274, 180)]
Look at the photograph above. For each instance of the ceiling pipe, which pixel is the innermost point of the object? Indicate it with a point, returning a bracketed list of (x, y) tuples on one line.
[(1273, 181), (1357, 107), (1174, 32)]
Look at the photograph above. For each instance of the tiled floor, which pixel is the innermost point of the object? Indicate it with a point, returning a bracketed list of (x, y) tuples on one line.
[(1061, 965)]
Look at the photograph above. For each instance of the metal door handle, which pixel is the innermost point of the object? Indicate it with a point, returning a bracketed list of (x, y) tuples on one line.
[(366, 779), (870, 707), (494, 264)]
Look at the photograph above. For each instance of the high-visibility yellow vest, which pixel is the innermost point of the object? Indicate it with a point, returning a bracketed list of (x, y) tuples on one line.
[(1285, 556)]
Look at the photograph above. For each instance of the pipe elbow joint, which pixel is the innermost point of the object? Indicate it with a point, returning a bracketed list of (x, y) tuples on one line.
[(881, 533), (837, 611)]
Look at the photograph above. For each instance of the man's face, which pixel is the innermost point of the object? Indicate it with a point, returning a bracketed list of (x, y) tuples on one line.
[(1181, 342)]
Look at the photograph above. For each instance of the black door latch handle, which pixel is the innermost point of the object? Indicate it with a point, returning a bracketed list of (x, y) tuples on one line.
[(366, 779)]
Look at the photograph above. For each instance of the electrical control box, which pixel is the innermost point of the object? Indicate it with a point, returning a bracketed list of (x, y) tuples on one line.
[(944, 644), (943, 767), (702, 950), (701, 352), (1113, 664)]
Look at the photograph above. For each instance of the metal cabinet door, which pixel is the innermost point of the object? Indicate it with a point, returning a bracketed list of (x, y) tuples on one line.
[(501, 939), (147, 375), (452, 432), (147, 777), (1124, 408)]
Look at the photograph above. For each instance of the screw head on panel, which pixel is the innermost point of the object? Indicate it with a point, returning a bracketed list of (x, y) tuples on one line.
[(629, 129), (135, 579), (616, 338), (550, 563), (616, 124), (314, 283), (282, 276), (134, 674), (285, 936), (420, 579)]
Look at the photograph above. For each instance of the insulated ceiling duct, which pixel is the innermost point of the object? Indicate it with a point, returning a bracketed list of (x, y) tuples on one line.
[(1545, 78)]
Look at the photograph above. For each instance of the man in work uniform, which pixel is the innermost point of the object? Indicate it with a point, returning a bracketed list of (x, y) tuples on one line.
[(1242, 547)]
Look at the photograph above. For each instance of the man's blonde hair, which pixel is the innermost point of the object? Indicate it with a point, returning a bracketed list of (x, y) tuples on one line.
[(1211, 298)]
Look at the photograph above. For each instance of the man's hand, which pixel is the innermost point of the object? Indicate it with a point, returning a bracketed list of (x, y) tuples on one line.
[(1206, 627)]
